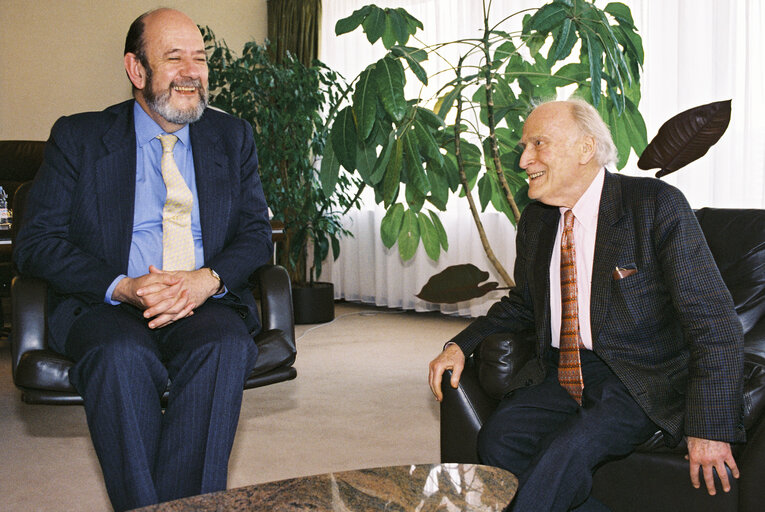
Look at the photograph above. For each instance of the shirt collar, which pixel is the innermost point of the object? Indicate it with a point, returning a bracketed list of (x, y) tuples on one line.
[(146, 129), (587, 208)]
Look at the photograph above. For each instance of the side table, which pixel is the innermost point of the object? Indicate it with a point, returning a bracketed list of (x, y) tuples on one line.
[(423, 487)]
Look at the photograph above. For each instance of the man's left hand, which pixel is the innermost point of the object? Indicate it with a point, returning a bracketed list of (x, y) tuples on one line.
[(707, 455)]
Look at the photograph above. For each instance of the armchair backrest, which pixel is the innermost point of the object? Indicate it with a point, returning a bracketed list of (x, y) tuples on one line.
[(736, 238)]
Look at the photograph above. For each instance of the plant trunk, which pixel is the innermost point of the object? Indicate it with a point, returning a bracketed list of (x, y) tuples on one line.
[(493, 145), (463, 179)]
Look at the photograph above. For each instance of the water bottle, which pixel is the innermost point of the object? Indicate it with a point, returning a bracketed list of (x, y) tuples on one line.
[(5, 221)]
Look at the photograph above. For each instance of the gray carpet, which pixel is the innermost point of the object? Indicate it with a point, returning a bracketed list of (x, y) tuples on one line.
[(361, 399)]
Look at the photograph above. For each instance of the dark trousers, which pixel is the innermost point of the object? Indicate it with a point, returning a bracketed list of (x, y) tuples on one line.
[(122, 368), (553, 445)]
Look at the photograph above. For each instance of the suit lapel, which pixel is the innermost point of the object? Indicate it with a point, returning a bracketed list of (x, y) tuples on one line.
[(550, 218), (609, 242), (115, 182), (213, 185)]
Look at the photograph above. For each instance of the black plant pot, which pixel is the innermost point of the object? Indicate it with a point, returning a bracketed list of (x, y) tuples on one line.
[(313, 303)]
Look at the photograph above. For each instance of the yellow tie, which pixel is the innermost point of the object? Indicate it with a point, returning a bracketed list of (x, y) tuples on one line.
[(177, 241)]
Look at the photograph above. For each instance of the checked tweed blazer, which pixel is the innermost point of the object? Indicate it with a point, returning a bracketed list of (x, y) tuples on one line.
[(669, 331), (78, 222)]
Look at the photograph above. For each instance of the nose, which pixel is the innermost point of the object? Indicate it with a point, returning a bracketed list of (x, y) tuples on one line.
[(191, 68), (527, 156)]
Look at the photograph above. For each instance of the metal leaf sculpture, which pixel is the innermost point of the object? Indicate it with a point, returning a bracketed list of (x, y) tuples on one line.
[(686, 137), (456, 284)]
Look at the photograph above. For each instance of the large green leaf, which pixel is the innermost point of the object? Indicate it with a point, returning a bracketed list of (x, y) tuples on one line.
[(417, 176), (427, 142), (546, 18), (400, 26), (439, 187), (391, 225), (429, 236), (440, 230), (350, 23), (564, 41), (635, 127), (374, 24), (413, 56), (392, 178), (621, 13), (344, 139), (365, 103), (389, 79), (366, 158), (330, 168), (409, 236), (382, 161), (457, 283), (686, 137)]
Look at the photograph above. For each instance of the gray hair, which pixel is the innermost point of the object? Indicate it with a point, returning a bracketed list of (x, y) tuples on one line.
[(590, 123)]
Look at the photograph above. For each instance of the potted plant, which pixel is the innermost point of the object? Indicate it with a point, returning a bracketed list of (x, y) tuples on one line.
[(466, 135), (287, 104)]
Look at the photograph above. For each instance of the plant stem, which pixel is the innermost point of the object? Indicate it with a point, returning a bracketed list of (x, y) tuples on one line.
[(493, 145), (463, 179)]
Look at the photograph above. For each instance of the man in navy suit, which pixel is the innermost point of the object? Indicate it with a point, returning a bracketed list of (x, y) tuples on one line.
[(660, 345), (94, 230)]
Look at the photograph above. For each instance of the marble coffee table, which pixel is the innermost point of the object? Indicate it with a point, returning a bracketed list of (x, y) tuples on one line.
[(423, 487)]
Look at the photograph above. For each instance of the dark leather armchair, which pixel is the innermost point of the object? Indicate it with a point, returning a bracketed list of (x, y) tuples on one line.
[(19, 161), (654, 477), (42, 375)]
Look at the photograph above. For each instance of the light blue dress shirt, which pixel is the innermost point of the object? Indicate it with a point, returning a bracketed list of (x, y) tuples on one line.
[(150, 192)]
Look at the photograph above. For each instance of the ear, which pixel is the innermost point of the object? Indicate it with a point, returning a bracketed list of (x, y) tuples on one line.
[(135, 70), (587, 146)]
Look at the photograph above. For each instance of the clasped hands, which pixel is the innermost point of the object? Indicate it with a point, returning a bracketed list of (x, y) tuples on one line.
[(167, 296), (705, 456)]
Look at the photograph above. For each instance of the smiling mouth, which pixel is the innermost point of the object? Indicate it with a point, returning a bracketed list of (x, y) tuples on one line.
[(536, 175), (185, 89)]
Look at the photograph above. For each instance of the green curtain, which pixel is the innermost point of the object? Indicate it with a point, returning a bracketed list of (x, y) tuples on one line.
[(293, 25)]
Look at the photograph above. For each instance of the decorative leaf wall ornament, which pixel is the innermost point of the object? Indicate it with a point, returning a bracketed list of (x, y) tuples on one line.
[(686, 137), (457, 283)]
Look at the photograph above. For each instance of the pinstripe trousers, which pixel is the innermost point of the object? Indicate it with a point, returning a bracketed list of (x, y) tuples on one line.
[(122, 368)]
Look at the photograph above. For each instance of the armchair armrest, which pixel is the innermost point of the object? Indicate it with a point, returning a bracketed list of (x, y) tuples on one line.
[(485, 380), (276, 300), (29, 302)]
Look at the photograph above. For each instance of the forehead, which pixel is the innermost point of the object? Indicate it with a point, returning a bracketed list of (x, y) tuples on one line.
[(166, 31), (550, 120)]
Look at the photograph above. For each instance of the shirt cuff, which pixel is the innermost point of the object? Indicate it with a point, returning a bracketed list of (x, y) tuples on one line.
[(110, 291), (221, 294)]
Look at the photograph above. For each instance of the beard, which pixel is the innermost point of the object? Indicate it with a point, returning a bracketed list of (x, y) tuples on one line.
[(160, 102)]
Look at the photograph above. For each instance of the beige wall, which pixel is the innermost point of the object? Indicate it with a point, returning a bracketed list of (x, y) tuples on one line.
[(59, 57)]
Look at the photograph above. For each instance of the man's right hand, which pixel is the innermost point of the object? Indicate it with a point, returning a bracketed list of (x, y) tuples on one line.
[(452, 359), (161, 292)]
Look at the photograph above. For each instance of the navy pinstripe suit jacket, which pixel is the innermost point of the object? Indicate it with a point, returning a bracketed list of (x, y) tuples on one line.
[(79, 217), (669, 332)]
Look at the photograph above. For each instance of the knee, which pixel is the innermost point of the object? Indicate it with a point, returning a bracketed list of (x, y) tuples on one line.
[(488, 444)]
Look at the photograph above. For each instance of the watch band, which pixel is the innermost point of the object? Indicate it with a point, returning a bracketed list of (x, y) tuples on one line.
[(220, 281)]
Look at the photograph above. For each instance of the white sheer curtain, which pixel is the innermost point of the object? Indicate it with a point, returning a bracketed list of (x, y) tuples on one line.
[(697, 52)]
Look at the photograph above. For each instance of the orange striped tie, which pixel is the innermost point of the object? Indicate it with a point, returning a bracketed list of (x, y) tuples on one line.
[(177, 240), (569, 366)]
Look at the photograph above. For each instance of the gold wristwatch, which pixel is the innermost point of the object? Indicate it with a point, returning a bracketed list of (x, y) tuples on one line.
[(220, 281)]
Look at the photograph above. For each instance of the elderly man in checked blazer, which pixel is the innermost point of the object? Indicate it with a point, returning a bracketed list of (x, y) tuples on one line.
[(635, 329)]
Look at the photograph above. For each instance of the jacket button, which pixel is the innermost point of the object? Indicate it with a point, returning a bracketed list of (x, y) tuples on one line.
[(243, 314), (77, 311)]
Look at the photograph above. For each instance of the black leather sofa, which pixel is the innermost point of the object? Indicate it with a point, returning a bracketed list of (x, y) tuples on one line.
[(654, 478), (43, 375)]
